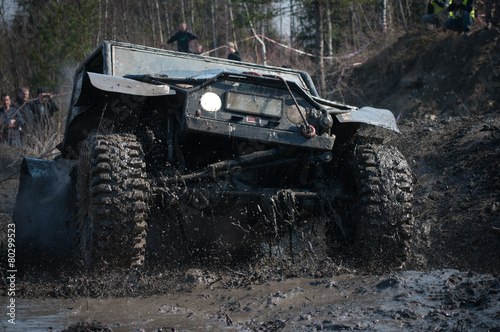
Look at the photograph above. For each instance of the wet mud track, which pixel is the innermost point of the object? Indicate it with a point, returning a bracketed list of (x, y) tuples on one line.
[(443, 300)]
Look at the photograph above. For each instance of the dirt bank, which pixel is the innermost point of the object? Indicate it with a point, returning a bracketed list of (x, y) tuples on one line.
[(457, 194), (430, 74)]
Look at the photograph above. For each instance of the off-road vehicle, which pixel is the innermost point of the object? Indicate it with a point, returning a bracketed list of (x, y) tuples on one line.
[(193, 154)]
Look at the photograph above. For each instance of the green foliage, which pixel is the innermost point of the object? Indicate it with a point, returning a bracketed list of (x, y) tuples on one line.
[(63, 36), (257, 12), (342, 13)]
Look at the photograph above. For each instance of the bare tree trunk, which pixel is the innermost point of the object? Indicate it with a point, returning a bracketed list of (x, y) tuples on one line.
[(226, 21), (167, 23), (329, 25), (401, 10), (125, 18), (408, 10), (264, 60), (214, 34), (13, 65), (191, 10), (149, 10), (281, 30), (364, 17), (231, 16), (183, 11), (264, 54), (157, 6), (383, 13), (113, 29), (357, 32), (353, 31), (105, 25), (292, 23), (98, 37), (318, 17), (293, 32)]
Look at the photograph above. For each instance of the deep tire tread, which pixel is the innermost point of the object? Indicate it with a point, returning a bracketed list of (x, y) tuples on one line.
[(116, 206), (385, 220)]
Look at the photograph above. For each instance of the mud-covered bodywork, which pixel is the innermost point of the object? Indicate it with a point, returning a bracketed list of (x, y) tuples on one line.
[(214, 153)]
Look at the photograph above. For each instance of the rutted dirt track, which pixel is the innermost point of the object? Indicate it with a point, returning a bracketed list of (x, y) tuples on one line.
[(450, 284)]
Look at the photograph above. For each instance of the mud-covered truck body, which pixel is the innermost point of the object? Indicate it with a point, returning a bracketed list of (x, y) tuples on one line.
[(182, 154)]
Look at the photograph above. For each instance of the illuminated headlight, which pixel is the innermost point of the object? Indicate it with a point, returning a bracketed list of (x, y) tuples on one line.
[(210, 102)]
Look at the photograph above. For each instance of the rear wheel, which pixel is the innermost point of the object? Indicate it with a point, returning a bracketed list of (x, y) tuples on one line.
[(379, 211), (112, 195)]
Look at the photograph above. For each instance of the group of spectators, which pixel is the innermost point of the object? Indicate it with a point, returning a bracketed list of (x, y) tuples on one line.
[(22, 113), (460, 14), (183, 37)]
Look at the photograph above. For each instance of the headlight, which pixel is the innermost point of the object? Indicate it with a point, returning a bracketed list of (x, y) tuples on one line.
[(210, 102)]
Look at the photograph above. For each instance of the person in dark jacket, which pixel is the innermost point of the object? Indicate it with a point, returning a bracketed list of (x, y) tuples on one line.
[(233, 54), (44, 107), (11, 122), (461, 15), (183, 38), (435, 9), (23, 95), (22, 103)]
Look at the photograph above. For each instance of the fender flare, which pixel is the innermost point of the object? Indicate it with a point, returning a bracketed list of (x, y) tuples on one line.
[(374, 116), (128, 86)]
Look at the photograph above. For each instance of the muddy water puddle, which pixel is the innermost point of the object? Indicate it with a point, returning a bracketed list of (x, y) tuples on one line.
[(118, 314), (441, 300)]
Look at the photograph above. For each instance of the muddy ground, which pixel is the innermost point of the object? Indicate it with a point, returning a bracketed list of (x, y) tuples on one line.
[(449, 117)]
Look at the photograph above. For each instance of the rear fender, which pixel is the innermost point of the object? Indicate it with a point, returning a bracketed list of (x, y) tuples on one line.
[(44, 209)]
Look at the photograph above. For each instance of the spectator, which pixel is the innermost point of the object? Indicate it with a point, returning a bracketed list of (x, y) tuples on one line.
[(22, 97), (461, 15), (233, 54), (435, 9), (183, 38), (21, 103), (44, 107), (198, 49), (492, 13), (11, 122)]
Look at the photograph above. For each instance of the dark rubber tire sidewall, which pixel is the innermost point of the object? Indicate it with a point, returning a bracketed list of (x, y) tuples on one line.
[(112, 196)]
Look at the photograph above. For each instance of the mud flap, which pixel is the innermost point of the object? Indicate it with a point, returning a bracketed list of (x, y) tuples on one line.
[(44, 210)]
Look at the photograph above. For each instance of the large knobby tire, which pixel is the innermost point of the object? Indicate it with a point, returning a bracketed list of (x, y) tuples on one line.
[(382, 204), (112, 195)]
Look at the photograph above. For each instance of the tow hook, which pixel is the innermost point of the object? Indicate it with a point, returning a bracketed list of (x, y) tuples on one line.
[(308, 131)]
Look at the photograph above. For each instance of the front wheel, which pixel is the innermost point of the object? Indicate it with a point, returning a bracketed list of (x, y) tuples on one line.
[(112, 195), (379, 210)]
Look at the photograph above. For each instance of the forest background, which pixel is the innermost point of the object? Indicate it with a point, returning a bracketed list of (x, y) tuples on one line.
[(42, 41)]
